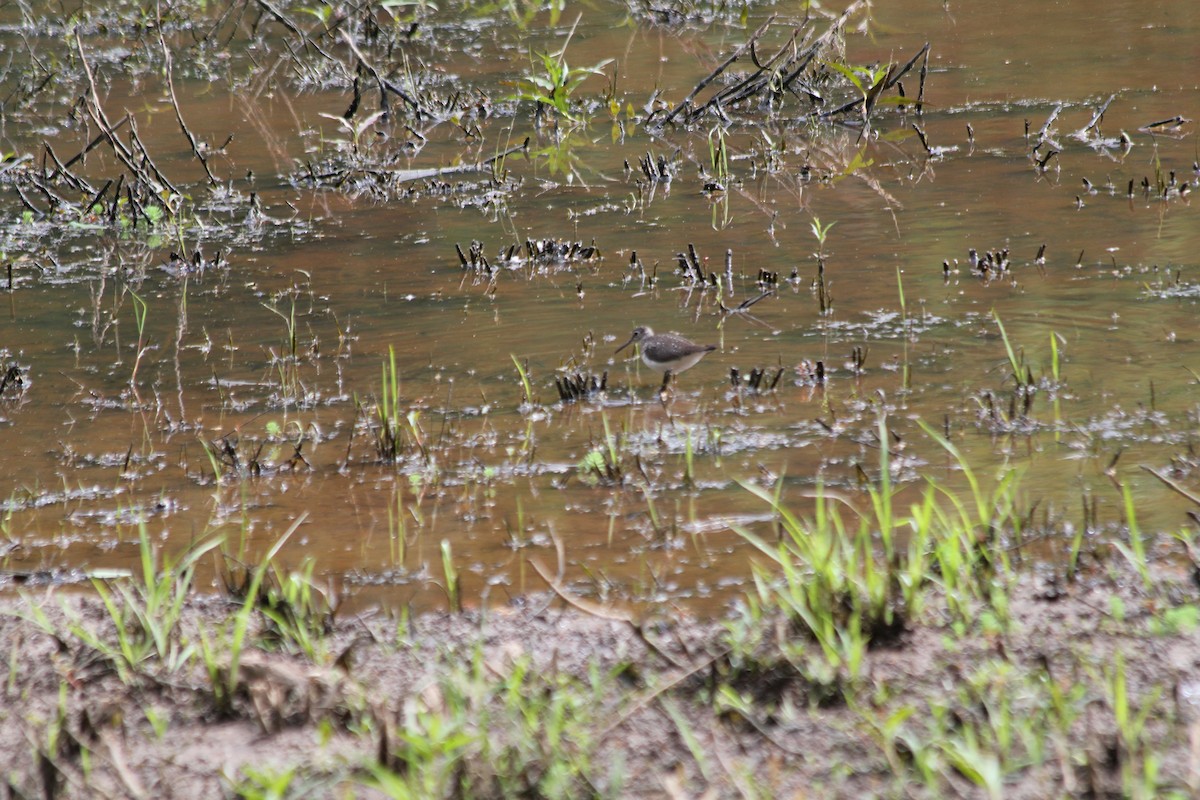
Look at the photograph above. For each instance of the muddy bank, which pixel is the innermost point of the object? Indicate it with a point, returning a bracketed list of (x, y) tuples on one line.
[(1084, 692)]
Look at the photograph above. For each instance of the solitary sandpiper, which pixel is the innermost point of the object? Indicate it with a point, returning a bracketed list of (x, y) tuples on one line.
[(665, 351)]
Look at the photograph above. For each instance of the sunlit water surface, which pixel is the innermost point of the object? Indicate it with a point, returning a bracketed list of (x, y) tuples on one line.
[(98, 441)]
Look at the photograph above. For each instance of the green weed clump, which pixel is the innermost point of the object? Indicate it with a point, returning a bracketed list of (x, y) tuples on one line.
[(604, 464), (145, 611), (1003, 721), (849, 579), (395, 429), (299, 614), (221, 651), (489, 729), (551, 83)]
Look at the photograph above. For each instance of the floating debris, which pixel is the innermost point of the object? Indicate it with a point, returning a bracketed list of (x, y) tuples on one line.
[(693, 272), (12, 377), (937, 152), (755, 381), (535, 252), (554, 251), (656, 170), (1171, 124), (636, 265), (991, 264), (197, 264), (572, 388), (744, 306), (474, 260), (811, 372), (858, 359), (767, 280), (1044, 160)]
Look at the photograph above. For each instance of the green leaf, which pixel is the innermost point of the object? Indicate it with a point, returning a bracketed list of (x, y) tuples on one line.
[(849, 73)]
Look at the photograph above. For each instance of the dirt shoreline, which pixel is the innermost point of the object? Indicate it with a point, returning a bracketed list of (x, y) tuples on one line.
[(71, 725)]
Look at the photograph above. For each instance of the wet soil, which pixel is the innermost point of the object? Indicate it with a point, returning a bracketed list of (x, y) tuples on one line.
[(654, 729)]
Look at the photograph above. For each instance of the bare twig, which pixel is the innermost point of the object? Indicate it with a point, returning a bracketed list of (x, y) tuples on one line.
[(1099, 113), (687, 101), (96, 112), (754, 83), (160, 178), (603, 612), (59, 168), (98, 197), (921, 88), (1172, 484), (894, 79), (305, 39), (382, 81), (92, 144), (657, 692), (441, 172), (179, 114), (787, 63), (25, 201)]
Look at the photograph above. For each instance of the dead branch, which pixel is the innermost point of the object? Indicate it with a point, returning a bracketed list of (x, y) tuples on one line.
[(304, 38), (91, 145), (383, 82), (167, 66), (96, 112), (603, 612), (788, 61), (749, 45), (76, 181), (441, 172)]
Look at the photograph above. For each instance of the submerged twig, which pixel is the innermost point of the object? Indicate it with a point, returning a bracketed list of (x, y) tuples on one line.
[(440, 172), (1172, 484)]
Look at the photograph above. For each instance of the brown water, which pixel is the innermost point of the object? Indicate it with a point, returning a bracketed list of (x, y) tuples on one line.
[(93, 447)]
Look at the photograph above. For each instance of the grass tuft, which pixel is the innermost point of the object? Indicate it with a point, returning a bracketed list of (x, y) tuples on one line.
[(849, 579)]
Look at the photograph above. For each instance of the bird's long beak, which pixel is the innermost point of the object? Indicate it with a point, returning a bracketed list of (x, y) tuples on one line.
[(622, 347)]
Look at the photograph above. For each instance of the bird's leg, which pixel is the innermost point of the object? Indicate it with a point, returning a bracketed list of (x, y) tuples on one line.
[(666, 381)]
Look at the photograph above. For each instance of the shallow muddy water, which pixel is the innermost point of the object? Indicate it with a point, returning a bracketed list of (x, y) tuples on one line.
[(285, 340)]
